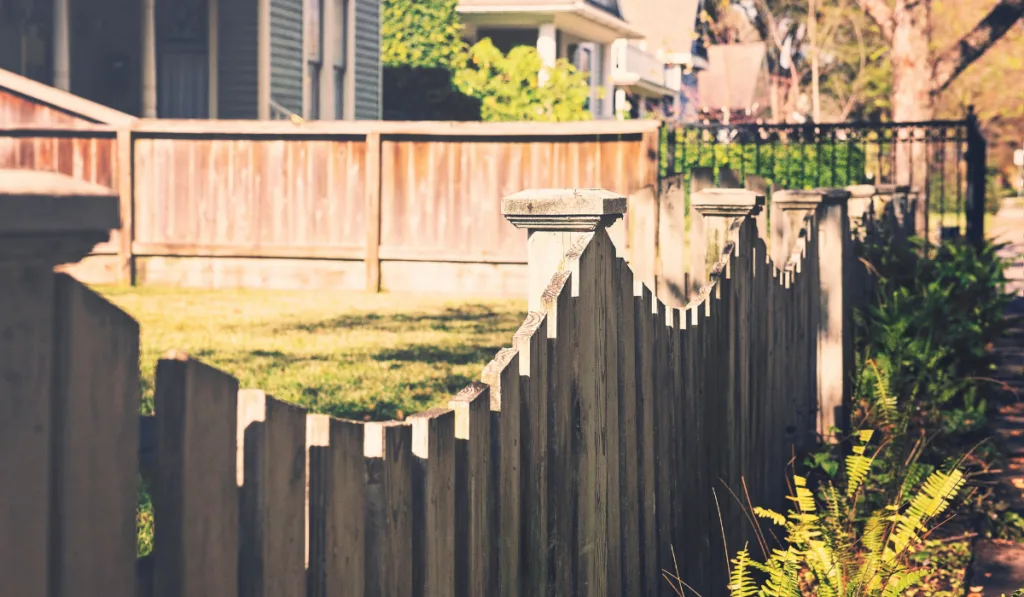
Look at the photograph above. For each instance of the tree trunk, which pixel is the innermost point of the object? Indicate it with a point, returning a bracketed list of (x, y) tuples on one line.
[(912, 99)]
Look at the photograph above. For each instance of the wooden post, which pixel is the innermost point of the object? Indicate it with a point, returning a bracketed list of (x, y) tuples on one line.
[(671, 251), (700, 179), (61, 45), (373, 213), (719, 208), (976, 172), (835, 337), (58, 421), (860, 206), (126, 189), (149, 107), (584, 442)]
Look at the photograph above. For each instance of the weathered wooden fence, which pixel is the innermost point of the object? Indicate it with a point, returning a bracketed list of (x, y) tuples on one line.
[(400, 206), (599, 450)]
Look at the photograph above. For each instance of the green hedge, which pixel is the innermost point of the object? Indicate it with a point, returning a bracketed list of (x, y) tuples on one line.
[(786, 165)]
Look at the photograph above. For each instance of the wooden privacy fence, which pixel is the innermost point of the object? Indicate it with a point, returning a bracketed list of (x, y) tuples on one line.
[(597, 450), (341, 205)]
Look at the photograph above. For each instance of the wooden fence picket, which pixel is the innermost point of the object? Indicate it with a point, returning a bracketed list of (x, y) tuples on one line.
[(95, 448), (272, 497), (195, 490)]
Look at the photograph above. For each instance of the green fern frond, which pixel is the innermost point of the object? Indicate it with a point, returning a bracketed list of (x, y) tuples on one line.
[(741, 584), (857, 468), (900, 582), (932, 499), (772, 515)]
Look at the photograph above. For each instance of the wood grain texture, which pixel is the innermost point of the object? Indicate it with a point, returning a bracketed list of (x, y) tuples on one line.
[(434, 514), (26, 400), (389, 510), (476, 515), (502, 377), (272, 497), (337, 507), (95, 445), (195, 490)]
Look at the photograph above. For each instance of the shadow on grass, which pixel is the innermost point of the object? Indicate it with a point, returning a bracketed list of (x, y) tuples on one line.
[(469, 318), (433, 354)]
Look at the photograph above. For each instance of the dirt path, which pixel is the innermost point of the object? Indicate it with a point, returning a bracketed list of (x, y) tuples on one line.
[(998, 566)]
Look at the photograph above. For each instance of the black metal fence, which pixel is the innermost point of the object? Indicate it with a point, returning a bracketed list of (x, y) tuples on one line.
[(942, 161)]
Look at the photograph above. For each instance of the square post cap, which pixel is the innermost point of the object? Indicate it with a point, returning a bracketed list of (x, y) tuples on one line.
[(47, 216), (809, 199), (577, 210), (860, 191), (727, 203)]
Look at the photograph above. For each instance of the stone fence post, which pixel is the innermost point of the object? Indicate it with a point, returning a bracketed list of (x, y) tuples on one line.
[(835, 331), (557, 221), (46, 219)]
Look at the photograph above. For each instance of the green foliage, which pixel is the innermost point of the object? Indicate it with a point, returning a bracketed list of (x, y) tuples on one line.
[(144, 521), (790, 165), (509, 90), (836, 544), (421, 34)]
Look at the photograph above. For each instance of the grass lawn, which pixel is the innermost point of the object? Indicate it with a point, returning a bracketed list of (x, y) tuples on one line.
[(348, 354)]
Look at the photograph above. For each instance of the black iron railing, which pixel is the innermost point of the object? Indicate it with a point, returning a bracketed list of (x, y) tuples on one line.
[(942, 161)]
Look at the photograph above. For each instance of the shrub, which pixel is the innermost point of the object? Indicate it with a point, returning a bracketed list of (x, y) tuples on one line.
[(509, 90)]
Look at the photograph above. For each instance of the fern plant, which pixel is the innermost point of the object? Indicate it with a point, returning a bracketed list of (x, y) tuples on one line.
[(842, 549)]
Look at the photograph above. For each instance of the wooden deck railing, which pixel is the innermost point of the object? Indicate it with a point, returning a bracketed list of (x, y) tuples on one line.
[(597, 450)]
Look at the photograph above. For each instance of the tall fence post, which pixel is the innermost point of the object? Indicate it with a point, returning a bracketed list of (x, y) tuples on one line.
[(976, 172), (50, 336), (700, 179), (835, 333), (568, 427)]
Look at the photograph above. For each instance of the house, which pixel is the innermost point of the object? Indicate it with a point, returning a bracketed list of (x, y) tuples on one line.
[(634, 51), (735, 87), (317, 59)]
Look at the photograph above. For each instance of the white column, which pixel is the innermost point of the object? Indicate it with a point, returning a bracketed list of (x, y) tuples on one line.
[(607, 60), (61, 46), (148, 58), (547, 47)]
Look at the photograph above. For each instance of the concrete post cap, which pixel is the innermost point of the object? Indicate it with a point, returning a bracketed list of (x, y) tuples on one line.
[(36, 203), (727, 203), (860, 191), (580, 210), (809, 199)]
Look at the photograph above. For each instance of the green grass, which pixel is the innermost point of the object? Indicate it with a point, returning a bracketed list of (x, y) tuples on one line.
[(348, 354)]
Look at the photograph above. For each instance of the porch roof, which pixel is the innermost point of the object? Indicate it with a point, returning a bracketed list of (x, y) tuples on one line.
[(574, 16)]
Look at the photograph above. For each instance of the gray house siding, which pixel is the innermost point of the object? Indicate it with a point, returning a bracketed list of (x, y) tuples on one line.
[(286, 28), (237, 62), (367, 75)]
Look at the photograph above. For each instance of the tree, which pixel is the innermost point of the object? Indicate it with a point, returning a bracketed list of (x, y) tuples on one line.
[(508, 87), (421, 34), (919, 74)]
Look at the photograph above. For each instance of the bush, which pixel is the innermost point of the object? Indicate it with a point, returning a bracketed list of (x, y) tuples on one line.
[(791, 165), (509, 90)]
